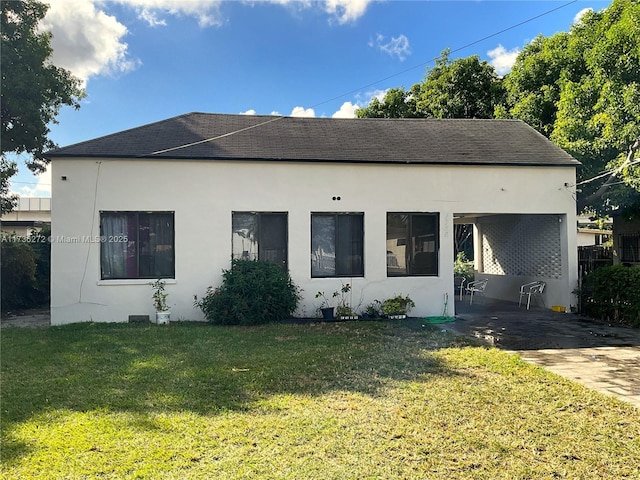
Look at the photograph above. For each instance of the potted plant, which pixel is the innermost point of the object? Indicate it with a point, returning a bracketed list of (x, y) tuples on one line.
[(325, 306), (163, 315), (397, 307), (372, 311), (343, 310)]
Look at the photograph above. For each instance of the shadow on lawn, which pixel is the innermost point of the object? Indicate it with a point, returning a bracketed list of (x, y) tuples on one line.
[(147, 369)]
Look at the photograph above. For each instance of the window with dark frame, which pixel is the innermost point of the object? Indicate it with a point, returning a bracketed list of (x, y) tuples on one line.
[(137, 245), (260, 236), (337, 245), (629, 247), (412, 244)]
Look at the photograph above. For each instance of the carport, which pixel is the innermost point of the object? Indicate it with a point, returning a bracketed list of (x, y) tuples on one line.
[(514, 249)]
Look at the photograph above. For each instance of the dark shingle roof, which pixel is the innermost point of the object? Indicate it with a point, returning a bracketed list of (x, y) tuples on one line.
[(245, 137)]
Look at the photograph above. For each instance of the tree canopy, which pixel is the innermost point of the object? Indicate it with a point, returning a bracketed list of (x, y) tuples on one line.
[(462, 88), (582, 90), (579, 88), (33, 89)]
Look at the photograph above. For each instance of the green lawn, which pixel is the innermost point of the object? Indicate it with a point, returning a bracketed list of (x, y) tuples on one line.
[(352, 400)]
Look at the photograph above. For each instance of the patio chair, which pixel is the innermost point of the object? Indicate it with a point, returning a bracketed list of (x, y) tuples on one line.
[(531, 289), (478, 287), (458, 284)]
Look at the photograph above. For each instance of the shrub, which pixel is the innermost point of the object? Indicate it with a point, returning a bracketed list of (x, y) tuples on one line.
[(252, 292), (611, 293), (41, 246), (397, 305), (18, 273), (25, 269), (372, 311), (462, 267)]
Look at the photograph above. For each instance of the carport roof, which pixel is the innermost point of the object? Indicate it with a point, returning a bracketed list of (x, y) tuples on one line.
[(207, 136)]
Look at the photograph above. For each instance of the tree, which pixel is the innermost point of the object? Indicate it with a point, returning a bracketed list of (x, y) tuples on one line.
[(582, 90), (8, 200), (534, 83), (397, 103), (462, 88), (33, 89)]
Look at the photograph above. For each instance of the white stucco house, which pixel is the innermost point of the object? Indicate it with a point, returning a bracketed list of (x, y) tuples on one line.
[(371, 202)]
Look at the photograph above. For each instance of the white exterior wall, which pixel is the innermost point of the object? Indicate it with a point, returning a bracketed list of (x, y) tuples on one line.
[(204, 193)]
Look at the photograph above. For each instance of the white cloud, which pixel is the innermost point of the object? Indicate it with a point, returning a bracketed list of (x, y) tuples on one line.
[(347, 110), (207, 12), (581, 14), (86, 40), (89, 42), (346, 11), (152, 18), (503, 59), (397, 46), (379, 94), (303, 112), (40, 189)]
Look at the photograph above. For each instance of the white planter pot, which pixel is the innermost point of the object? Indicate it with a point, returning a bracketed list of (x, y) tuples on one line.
[(162, 318), (398, 317)]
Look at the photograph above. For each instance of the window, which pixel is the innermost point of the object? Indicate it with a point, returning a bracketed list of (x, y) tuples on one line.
[(260, 236), (412, 244), (136, 245), (337, 244), (629, 247)]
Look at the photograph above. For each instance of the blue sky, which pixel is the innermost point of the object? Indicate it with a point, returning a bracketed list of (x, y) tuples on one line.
[(147, 60)]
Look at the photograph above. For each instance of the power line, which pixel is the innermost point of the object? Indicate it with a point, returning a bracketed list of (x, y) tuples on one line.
[(455, 50), (30, 183), (420, 65), (607, 173)]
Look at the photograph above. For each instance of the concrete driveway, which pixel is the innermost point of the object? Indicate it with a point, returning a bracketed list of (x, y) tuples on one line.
[(599, 356)]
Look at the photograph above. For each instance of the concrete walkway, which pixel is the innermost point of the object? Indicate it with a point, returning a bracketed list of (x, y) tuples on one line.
[(599, 356)]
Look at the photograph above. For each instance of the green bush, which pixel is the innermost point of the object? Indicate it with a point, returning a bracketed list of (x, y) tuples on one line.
[(397, 305), (18, 273), (612, 293), (41, 246), (25, 270), (462, 267), (252, 293)]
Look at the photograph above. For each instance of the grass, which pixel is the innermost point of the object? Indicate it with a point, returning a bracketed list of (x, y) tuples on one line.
[(358, 400)]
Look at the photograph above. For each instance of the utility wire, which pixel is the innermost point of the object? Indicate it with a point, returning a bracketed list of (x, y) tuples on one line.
[(31, 183), (456, 50), (423, 64), (607, 173)]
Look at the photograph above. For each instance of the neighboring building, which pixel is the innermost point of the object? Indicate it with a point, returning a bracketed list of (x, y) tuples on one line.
[(31, 214), (626, 241), (589, 233), (371, 202)]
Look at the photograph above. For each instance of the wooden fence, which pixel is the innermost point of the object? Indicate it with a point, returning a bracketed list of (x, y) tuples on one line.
[(592, 257)]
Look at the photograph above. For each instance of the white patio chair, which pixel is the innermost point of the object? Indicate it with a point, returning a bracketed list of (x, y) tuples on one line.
[(478, 287), (531, 289), (458, 284)]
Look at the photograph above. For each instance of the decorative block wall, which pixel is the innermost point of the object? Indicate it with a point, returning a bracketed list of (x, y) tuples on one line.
[(526, 245)]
